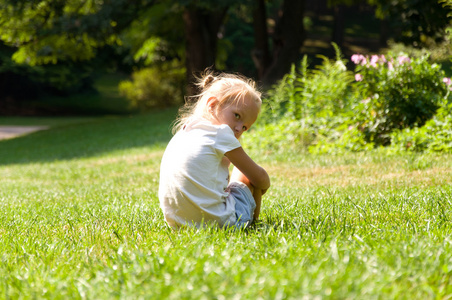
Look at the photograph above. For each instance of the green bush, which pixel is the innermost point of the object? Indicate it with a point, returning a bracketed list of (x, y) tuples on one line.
[(322, 91), (305, 107), (399, 92), (154, 87), (434, 136)]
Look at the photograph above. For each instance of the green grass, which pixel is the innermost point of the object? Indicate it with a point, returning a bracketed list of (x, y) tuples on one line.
[(80, 219)]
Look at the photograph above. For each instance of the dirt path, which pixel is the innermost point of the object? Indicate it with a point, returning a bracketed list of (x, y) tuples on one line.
[(9, 132)]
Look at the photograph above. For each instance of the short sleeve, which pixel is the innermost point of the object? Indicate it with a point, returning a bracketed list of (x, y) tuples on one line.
[(226, 141)]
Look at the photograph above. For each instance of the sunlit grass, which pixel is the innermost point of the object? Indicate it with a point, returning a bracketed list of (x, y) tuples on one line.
[(80, 219), (410, 170)]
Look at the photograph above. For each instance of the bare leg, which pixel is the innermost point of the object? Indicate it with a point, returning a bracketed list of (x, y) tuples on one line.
[(257, 193)]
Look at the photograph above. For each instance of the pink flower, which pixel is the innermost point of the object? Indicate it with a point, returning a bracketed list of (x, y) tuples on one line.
[(373, 60), (355, 58), (359, 59), (403, 59), (447, 81), (358, 77), (363, 60)]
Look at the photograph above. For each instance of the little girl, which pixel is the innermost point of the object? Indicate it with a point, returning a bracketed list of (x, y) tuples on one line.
[(195, 186)]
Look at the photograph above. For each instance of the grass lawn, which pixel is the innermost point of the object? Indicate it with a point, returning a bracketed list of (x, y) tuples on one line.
[(80, 219)]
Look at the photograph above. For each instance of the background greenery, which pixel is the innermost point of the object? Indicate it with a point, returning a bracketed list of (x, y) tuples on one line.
[(59, 49)]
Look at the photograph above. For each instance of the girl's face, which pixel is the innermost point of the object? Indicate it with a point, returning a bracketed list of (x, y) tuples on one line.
[(239, 117)]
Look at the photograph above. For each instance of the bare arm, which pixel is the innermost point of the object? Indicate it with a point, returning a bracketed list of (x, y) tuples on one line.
[(257, 175)]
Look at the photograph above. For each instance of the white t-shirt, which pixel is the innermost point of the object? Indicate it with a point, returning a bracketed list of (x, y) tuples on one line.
[(194, 175)]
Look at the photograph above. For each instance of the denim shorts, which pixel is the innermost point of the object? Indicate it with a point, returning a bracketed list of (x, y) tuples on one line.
[(244, 203)]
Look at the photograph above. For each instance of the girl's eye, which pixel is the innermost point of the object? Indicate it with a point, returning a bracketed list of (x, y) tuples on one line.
[(244, 128), (237, 116)]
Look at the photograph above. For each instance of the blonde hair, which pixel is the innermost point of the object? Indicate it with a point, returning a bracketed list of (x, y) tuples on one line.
[(228, 89)]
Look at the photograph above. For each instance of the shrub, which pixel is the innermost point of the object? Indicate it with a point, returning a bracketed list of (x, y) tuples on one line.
[(340, 135), (154, 87), (399, 92), (306, 93), (305, 107), (434, 136)]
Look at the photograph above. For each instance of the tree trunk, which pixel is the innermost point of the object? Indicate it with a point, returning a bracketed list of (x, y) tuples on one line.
[(261, 52), (287, 40), (201, 34)]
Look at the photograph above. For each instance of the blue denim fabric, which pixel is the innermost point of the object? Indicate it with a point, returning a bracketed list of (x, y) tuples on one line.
[(244, 203)]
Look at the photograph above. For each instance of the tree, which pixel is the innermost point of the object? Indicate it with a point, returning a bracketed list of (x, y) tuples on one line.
[(287, 39), (47, 31), (339, 12), (50, 31), (261, 52), (415, 21), (202, 25), (49, 39)]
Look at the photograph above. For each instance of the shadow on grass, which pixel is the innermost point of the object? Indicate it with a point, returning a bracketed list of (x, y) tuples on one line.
[(89, 139)]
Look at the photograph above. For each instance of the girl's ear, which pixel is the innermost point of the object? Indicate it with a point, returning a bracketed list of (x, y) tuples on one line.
[(212, 103)]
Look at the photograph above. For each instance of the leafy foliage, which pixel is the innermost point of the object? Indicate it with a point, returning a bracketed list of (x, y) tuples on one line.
[(398, 92), (415, 21), (304, 105), (153, 87), (325, 110), (238, 30), (156, 34), (47, 31), (434, 136), (311, 92)]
